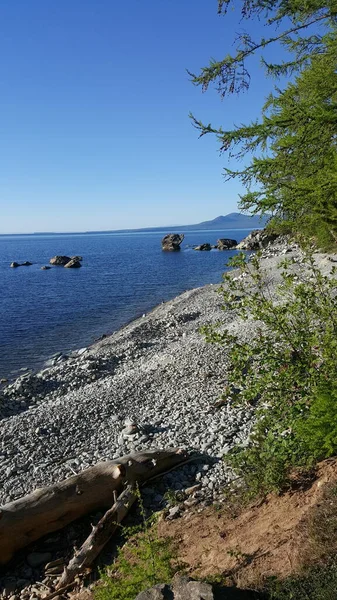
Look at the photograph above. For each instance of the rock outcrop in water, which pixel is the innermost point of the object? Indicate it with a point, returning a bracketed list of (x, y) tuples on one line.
[(71, 262), (225, 244), (60, 261), (171, 242)]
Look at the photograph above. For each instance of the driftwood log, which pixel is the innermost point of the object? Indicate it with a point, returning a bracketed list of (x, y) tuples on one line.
[(48, 509), (100, 535)]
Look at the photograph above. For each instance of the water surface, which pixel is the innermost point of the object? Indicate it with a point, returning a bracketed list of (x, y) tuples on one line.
[(123, 276)]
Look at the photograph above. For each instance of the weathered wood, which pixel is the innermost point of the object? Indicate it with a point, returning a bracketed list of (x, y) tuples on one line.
[(99, 536), (51, 508)]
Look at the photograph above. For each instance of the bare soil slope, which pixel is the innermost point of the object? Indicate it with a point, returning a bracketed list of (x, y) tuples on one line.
[(268, 538)]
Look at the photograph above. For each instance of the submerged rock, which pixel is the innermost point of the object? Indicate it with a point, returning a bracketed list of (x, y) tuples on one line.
[(171, 242), (14, 264), (45, 268), (203, 247), (226, 244)]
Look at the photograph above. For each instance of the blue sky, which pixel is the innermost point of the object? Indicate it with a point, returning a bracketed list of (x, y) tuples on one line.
[(94, 104)]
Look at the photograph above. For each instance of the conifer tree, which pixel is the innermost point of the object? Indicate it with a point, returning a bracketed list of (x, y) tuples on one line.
[(293, 173)]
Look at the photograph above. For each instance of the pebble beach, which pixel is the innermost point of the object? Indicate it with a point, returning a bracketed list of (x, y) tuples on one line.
[(154, 383)]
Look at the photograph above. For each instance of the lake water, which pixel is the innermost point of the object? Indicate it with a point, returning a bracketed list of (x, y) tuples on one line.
[(123, 276)]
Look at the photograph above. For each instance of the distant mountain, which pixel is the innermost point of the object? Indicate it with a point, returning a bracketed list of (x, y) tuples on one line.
[(234, 220)]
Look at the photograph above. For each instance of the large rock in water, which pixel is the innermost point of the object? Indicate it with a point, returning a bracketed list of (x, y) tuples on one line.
[(60, 260), (226, 244), (171, 242), (257, 239)]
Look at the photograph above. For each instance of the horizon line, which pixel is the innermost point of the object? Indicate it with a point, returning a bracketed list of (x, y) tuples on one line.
[(129, 229)]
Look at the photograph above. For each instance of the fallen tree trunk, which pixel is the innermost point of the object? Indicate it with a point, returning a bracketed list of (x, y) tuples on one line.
[(99, 536), (48, 509)]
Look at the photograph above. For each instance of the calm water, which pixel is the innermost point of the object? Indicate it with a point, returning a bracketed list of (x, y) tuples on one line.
[(123, 276)]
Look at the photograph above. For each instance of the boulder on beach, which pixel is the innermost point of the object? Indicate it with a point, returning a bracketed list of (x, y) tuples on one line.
[(60, 261), (181, 588), (171, 242), (257, 239), (203, 247), (226, 244), (73, 264), (14, 265)]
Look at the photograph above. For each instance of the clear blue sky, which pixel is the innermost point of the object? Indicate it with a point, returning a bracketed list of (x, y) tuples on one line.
[(94, 103)]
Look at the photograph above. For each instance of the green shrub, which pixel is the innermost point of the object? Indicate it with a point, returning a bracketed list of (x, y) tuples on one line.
[(287, 370), (317, 433), (318, 583), (142, 562)]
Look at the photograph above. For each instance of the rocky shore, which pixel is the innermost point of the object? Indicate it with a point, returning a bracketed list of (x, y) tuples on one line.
[(153, 384)]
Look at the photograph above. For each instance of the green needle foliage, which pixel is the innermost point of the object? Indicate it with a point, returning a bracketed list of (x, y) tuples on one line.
[(292, 146), (296, 173), (287, 370), (293, 23)]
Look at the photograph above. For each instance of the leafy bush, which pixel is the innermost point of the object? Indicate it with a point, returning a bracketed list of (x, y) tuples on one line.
[(287, 370)]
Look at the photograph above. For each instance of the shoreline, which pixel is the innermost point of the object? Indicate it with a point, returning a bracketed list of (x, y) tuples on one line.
[(153, 384), (65, 355), (89, 340), (156, 371)]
